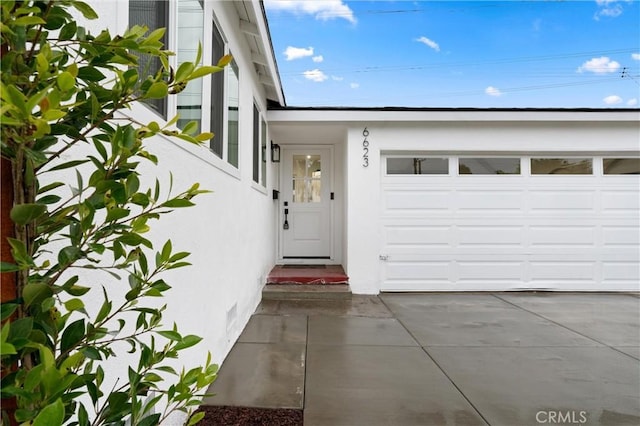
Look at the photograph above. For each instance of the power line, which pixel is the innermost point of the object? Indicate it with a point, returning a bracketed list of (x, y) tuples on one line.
[(377, 68)]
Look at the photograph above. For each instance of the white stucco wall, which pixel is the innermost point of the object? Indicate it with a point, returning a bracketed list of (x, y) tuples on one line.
[(229, 232)]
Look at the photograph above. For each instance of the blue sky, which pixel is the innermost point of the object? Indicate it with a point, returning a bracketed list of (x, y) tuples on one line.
[(498, 54)]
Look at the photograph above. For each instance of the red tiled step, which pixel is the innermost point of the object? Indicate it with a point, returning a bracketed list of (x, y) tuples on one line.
[(301, 274)]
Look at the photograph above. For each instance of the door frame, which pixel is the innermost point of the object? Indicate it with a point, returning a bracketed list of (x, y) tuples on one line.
[(283, 181)]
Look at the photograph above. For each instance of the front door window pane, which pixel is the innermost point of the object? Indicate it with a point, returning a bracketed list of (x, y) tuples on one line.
[(307, 179)]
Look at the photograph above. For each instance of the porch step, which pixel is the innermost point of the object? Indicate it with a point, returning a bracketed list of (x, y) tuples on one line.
[(307, 275), (305, 291)]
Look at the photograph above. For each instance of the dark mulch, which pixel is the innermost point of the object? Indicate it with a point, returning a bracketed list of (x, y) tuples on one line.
[(250, 416)]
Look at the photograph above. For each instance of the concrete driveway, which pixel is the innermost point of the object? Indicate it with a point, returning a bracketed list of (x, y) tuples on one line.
[(442, 359)]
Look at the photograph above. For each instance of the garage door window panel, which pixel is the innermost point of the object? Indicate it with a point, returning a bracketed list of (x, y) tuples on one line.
[(621, 166), (489, 166), (417, 166), (561, 166)]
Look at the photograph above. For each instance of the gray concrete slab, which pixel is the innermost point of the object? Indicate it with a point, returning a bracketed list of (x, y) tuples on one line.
[(261, 375), (503, 358), (633, 351), (331, 330), (476, 320), (275, 329), (511, 386), (380, 385), (608, 318), (366, 306)]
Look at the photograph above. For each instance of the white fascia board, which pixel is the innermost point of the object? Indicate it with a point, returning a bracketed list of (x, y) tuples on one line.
[(452, 115), (265, 39)]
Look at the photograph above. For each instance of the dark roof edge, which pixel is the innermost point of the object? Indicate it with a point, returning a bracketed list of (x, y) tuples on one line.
[(276, 107), (273, 55)]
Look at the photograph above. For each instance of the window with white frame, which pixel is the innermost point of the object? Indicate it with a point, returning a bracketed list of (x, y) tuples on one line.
[(225, 103), (154, 14), (190, 34), (259, 147)]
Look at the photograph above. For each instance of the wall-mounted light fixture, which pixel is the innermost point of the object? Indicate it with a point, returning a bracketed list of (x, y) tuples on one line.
[(275, 152)]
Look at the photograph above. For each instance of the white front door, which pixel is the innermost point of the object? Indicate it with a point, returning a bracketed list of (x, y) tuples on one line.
[(305, 204)]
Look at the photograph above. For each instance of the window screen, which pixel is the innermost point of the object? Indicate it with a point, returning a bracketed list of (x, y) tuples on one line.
[(153, 14), (217, 96)]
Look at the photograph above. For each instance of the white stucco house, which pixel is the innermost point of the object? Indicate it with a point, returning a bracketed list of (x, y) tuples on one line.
[(403, 199)]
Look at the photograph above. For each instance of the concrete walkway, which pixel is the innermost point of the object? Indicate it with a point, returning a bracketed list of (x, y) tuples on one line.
[(442, 359)]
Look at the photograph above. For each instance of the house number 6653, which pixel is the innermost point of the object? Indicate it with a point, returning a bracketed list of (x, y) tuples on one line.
[(365, 148)]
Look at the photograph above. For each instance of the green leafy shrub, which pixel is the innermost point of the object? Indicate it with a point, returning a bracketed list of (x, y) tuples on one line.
[(62, 87)]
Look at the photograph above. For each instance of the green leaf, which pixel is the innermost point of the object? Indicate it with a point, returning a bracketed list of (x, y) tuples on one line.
[(116, 213), (49, 187), (171, 335), (68, 165), (16, 98), (74, 305), (184, 70), (157, 90), (7, 349), (85, 9), (77, 290), (202, 71), (196, 417), (26, 213), (188, 341), (178, 202), (72, 335), (66, 81), (8, 267), (151, 420), (68, 31), (190, 128), (51, 415), (35, 293), (166, 251), (90, 74), (225, 60), (21, 328), (29, 20), (105, 309), (68, 255), (7, 309)]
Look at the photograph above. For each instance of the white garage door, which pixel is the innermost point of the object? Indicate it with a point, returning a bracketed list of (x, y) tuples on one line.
[(453, 223)]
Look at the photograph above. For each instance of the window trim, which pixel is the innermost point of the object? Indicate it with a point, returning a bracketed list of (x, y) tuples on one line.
[(259, 156)]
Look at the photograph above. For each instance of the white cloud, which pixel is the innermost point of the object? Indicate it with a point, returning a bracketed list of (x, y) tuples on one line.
[(635, 56), (432, 44), (297, 52), (601, 65), (320, 9), (318, 58), (315, 75), (612, 100), (632, 102), (336, 78), (354, 85), (608, 8), (492, 91)]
